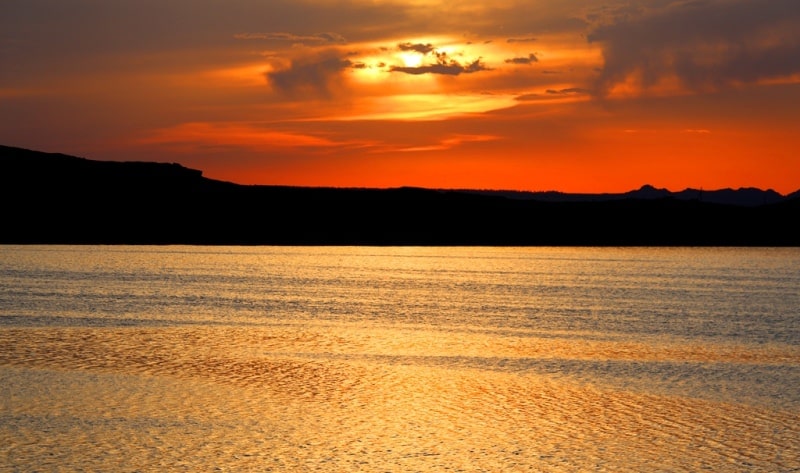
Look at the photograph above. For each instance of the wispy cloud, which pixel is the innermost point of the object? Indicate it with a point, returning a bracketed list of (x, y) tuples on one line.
[(294, 38), (553, 95), (701, 131), (449, 143), (242, 135), (423, 107), (568, 91)]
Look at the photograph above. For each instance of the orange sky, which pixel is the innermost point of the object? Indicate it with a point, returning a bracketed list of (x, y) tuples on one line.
[(526, 95)]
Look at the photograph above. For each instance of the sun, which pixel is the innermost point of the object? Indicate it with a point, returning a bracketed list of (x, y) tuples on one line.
[(410, 59)]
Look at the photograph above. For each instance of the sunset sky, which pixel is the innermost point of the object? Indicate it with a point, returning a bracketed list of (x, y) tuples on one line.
[(568, 95)]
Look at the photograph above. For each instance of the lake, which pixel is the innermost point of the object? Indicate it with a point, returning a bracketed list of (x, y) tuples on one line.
[(389, 359)]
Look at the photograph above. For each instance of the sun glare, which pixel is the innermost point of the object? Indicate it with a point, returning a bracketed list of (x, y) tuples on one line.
[(411, 59), (369, 72)]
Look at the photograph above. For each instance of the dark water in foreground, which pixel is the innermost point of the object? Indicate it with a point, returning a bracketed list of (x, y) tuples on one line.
[(117, 358)]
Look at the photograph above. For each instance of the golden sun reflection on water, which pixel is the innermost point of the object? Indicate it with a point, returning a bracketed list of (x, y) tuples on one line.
[(340, 397)]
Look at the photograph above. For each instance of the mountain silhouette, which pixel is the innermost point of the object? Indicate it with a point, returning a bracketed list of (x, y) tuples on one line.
[(749, 197), (59, 199)]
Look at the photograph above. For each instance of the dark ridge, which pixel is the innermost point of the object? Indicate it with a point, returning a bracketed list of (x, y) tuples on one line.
[(748, 197), (59, 199)]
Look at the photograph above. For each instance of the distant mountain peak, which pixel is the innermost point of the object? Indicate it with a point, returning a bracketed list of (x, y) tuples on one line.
[(648, 191)]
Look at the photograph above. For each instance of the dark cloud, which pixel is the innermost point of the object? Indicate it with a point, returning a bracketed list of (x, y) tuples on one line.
[(452, 68), (417, 47), (520, 40), (444, 65), (705, 44), (523, 60), (315, 75)]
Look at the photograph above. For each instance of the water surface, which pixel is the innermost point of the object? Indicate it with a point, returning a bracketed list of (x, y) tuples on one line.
[(399, 359)]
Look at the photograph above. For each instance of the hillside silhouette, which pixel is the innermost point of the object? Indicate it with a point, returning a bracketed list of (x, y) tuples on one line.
[(60, 199)]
